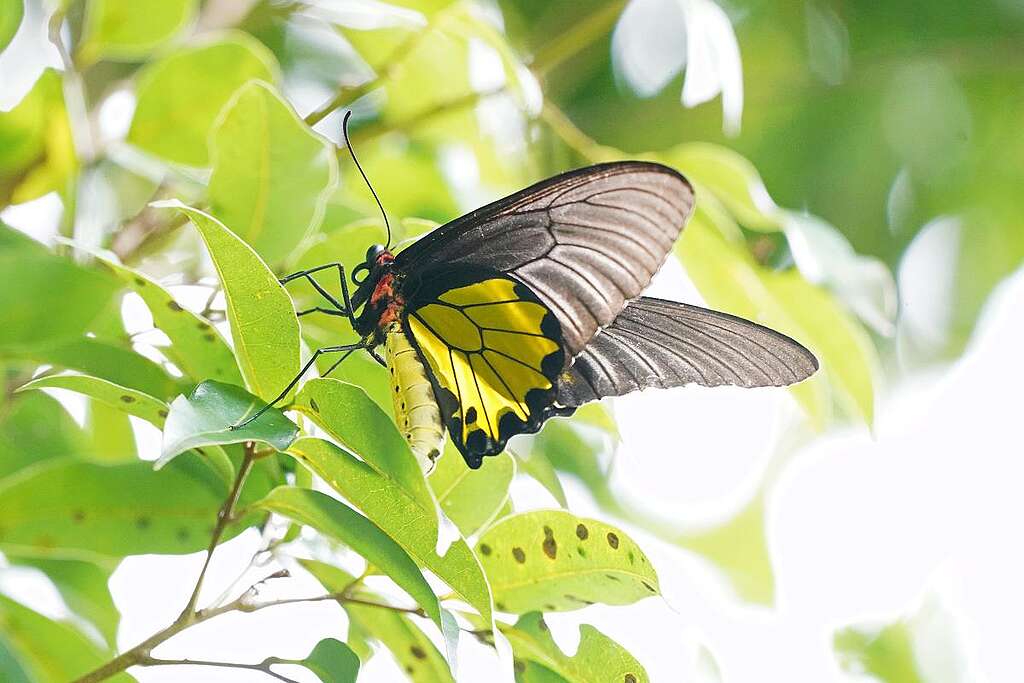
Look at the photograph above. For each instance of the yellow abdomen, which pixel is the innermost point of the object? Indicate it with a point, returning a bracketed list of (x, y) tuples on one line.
[(416, 411)]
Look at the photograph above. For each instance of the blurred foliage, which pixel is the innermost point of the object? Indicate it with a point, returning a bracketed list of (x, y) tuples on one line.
[(194, 146)]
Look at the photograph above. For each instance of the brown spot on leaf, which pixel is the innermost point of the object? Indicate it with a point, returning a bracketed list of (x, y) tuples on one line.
[(549, 607), (549, 545), (613, 540), (648, 586), (409, 669), (581, 532), (140, 282), (613, 577), (500, 606), (142, 523), (418, 652), (162, 413), (175, 306), (182, 534), (542, 625), (485, 549), (313, 405), (210, 337), (519, 665), (125, 398), (519, 555), (630, 678), (203, 325), (78, 516)]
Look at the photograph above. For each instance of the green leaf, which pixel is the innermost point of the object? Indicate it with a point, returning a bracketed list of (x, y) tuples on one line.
[(180, 95), (35, 428), (83, 585), (110, 433), (346, 413), (538, 466), (124, 399), (599, 658), (69, 508), (264, 328), (414, 652), (11, 12), (106, 359), (332, 661), (551, 560), (471, 498), (205, 419), (51, 298), (271, 174), (47, 651), (130, 29), (401, 516), (732, 179), (886, 654), (37, 153), (336, 520), (197, 348)]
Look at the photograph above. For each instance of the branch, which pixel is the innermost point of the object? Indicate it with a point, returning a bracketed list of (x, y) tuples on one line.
[(581, 35), (263, 666)]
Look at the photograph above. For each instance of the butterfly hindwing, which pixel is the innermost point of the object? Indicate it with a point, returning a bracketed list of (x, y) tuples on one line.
[(494, 353), (585, 242)]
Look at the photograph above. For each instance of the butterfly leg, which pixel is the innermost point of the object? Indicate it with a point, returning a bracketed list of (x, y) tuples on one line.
[(347, 349), (340, 309)]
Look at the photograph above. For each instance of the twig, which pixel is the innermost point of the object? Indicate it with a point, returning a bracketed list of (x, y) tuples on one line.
[(223, 519), (564, 128), (581, 35), (454, 104), (263, 667)]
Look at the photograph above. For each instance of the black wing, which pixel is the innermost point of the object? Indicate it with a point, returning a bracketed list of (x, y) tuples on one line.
[(657, 343), (585, 242)]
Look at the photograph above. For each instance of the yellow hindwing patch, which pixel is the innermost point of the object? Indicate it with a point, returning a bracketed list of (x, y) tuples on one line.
[(494, 350)]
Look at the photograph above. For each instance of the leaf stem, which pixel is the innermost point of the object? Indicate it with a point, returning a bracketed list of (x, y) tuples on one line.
[(580, 36)]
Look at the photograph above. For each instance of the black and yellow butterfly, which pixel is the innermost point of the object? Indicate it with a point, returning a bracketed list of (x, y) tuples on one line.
[(530, 307)]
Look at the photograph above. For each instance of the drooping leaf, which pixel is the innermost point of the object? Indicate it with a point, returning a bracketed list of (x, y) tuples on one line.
[(131, 29), (11, 12), (406, 521), (471, 498), (50, 298), (271, 174), (32, 641), (599, 658), (130, 401), (346, 413), (332, 661), (205, 418), (414, 652), (264, 328), (336, 520), (35, 428), (551, 560), (37, 153), (181, 94), (110, 360), (83, 585), (69, 508), (197, 348)]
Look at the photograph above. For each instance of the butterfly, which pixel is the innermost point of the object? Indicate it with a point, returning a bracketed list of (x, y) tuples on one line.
[(531, 306)]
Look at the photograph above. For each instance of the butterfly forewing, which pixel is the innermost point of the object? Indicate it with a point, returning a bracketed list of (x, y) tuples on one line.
[(585, 242), (494, 352)]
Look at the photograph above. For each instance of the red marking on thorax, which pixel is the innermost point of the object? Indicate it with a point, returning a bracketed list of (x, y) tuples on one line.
[(384, 293)]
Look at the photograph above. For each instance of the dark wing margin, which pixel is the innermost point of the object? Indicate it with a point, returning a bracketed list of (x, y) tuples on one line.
[(663, 344), (585, 242)]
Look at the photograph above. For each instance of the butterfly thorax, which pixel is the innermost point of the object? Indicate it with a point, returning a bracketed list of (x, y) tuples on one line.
[(388, 301)]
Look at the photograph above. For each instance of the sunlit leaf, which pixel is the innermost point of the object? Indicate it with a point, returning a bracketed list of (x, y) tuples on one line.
[(180, 95), (197, 348), (206, 416), (471, 498), (271, 174), (346, 413), (332, 661), (551, 560), (264, 328), (333, 518), (130, 29), (75, 509), (37, 153), (11, 12), (124, 399), (50, 298), (732, 179), (599, 658), (110, 433), (391, 508), (414, 652), (83, 585), (30, 638)]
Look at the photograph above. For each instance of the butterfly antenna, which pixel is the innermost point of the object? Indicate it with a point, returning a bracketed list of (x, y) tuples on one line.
[(348, 143)]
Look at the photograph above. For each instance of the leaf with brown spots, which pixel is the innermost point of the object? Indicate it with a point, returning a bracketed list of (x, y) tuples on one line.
[(552, 560), (128, 400), (599, 658)]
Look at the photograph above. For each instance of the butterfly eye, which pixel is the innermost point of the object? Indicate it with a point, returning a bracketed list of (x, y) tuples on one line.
[(362, 269)]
